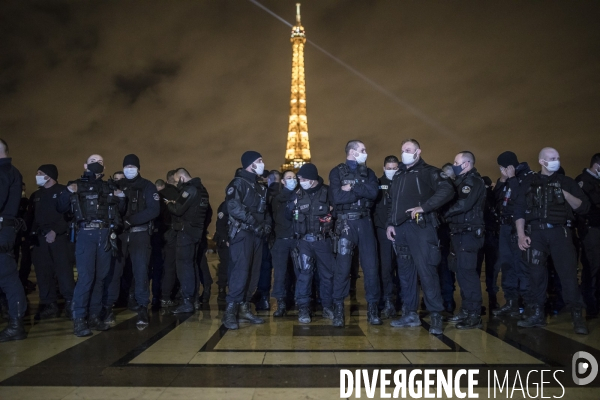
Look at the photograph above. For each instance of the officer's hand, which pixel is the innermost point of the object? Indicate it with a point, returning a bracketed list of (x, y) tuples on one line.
[(391, 233), (510, 171), (347, 188), (50, 237), (72, 188), (119, 193), (524, 242), (414, 211), (227, 243)]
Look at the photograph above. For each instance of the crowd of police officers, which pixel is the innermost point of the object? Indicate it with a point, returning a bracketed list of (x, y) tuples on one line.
[(415, 230)]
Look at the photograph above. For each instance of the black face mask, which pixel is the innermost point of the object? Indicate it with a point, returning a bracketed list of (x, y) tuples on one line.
[(96, 168)]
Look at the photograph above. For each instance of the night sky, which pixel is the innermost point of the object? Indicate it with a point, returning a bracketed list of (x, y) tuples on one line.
[(196, 83)]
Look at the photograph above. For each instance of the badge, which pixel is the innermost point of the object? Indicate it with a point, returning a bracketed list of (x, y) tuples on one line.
[(54, 196), (220, 215), (155, 196), (466, 189), (185, 195), (230, 191), (383, 187)]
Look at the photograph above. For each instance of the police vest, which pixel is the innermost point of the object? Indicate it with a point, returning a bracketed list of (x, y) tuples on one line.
[(93, 202), (348, 177), (136, 202), (546, 203), (255, 197), (311, 214)]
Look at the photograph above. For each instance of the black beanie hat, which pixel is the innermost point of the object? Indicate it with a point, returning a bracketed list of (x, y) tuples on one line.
[(249, 157), (508, 158), (308, 171), (50, 170), (131, 159)]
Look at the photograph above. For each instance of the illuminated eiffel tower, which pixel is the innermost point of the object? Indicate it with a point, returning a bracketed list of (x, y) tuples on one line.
[(297, 152)]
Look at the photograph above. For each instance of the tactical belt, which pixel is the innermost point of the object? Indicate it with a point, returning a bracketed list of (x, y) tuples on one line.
[(464, 229), (508, 220), (540, 226), (313, 238), (7, 222), (93, 225), (140, 228), (354, 215)]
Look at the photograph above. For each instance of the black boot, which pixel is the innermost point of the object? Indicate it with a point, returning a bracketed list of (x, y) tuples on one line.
[(373, 314), (222, 294), (132, 304), (4, 307), (436, 326), (304, 314), (47, 311), (459, 317), (579, 325), (206, 295), (187, 306), (80, 327), (536, 319), (281, 309), (263, 303), (198, 303), (168, 303), (109, 316), (328, 313), (69, 310), (492, 302), (13, 331), (473, 321), (96, 324), (230, 316), (142, 317), (389, 311), (338, 315), (511, 308), (245, 313)]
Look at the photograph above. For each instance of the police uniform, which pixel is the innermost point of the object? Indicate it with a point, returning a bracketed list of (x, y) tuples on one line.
[(10, 196), (510, 261), (387, 257), (547, 216), (467, 230), (204, 276), (189, 213), (354, 228), (416, 241), (588, 228), (489, 252), (220, 239), (169, 275), (51, 259), (97, 214)]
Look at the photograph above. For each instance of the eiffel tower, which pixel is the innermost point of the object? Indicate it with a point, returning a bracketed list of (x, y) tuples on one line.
[(297, 152)]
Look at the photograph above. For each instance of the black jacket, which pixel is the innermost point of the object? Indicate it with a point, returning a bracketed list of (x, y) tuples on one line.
[(591, 187), (467, 210), (364, 188), (190, 208), (283, 225), (10, 189), (222, 225), (382, 203), (42, 216), (523, 176), (247, 199), (420, 185), (143, 201)]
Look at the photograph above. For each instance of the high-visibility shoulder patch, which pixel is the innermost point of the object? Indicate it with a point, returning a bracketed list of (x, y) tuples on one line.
[(185, 195), (230, 191), (220, 215), (156, 197)]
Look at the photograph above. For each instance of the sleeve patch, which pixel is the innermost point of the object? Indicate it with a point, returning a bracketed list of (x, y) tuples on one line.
[(220, 215), (156, 197), (185, 195), (230, 191), (581, 184), (466, 189)]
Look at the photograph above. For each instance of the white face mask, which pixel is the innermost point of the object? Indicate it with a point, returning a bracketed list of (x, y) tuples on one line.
[(40, 180), (306, 184), (130, 173), (291, 184), (361, 158), (260, 168), (553, 166), (408, 159), (389, 173)]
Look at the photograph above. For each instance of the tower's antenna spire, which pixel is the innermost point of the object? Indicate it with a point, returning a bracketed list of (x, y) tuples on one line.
[(298, 13)]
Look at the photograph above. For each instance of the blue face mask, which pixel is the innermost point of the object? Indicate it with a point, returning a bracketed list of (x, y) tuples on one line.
[(290, 184), (457, 169)]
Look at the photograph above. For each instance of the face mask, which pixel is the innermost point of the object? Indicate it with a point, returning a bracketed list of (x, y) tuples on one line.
[(291, 184), (457, 169), (40, 180), (553, 166), (389, 173), (306, 184), (96, 168), (361, 158), (260, 168), (408, 159), (130, 173)]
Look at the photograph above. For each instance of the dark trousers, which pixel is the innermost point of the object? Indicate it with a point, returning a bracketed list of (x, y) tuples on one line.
[(245, 257), (156, 264), (360, 233), (169, 267), (321, 254), (50, 260), (22, 251), (447, 277), (510, 262), (281, 254), (223, 252), (466, 245), (558, 243), (93, 264), (9, 276), (387, 258), (418, 255), (266, 270), (204, 275), (187, 247), (590, 260)]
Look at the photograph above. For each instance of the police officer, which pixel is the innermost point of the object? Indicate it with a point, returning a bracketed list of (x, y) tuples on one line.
[(489, 252), (95, 208), (418, 190), (51, 244), (589, 233), (467, 230), (543, 211), (10, 196), (386, 252), (168, 192), (513, 176), (142, 208), (249, 224), (285, 241), (447, 277), (220, 239), (354, 188), (188, 212), (313, 225)]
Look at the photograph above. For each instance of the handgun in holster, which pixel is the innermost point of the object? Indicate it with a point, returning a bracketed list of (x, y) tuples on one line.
[(234, 228)]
